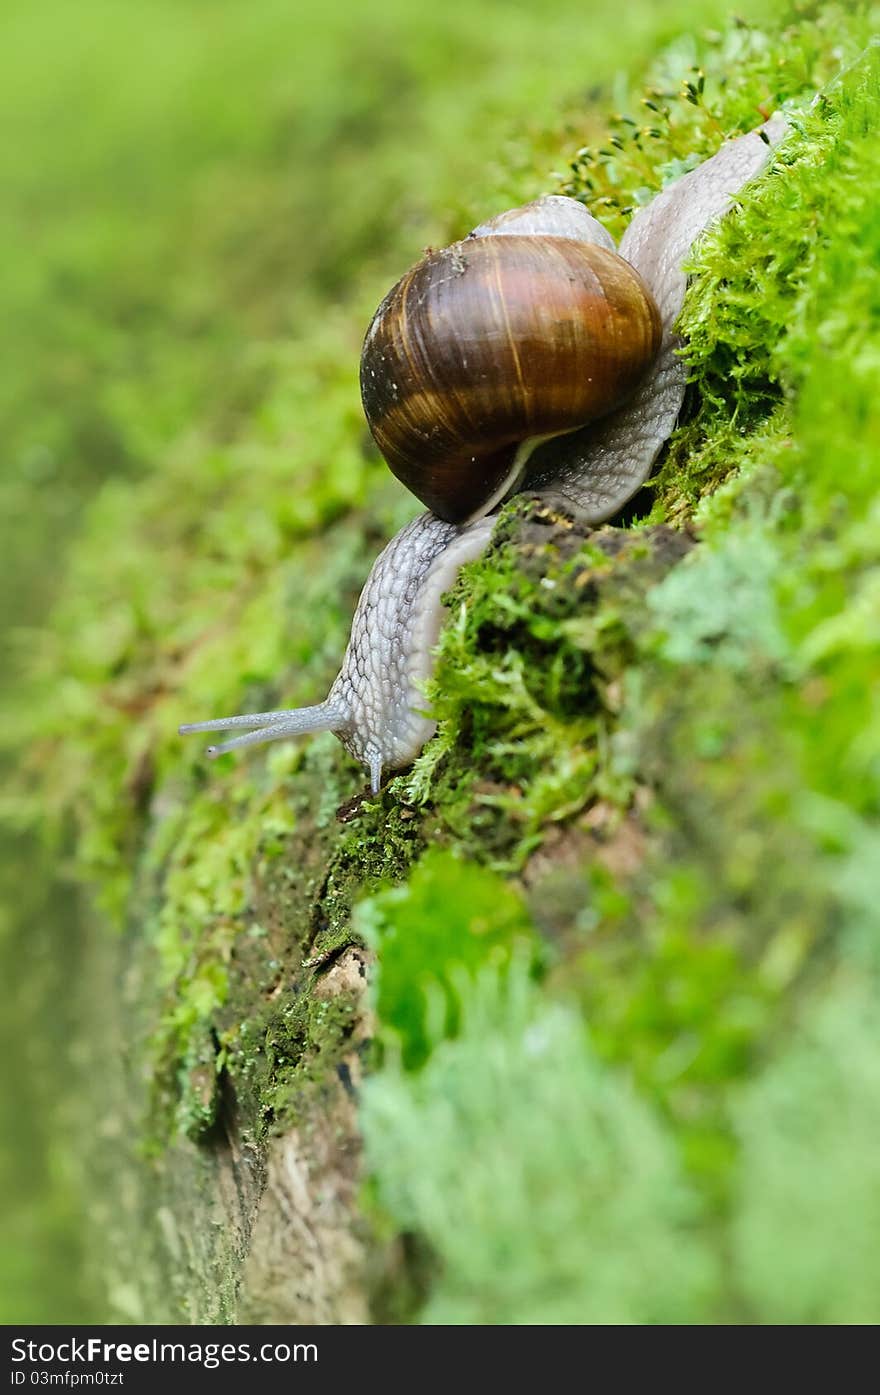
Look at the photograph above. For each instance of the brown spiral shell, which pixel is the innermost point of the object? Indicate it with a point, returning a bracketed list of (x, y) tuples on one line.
[(491, 342)]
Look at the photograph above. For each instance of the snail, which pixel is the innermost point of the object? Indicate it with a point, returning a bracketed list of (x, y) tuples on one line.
[(533, 355)]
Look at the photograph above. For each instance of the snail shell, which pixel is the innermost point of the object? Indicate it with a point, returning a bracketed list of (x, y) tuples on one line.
[(490, 346)]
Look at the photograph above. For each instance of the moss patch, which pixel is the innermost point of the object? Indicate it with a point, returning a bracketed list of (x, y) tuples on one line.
[(432, 936)]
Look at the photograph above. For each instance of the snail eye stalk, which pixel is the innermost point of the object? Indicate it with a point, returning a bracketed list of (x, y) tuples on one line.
[(262, 727)]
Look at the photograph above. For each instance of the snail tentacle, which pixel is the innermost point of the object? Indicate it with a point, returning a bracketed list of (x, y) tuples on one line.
[(260, 727)]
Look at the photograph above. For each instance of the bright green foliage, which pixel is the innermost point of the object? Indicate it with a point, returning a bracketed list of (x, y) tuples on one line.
[(658, 746), (808, 1208), (542, 1180), (431, 937)]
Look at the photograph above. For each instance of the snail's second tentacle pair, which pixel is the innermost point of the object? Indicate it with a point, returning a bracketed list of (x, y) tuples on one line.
[(478, 370)]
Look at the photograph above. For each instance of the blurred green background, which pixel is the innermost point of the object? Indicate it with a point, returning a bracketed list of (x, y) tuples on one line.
[(184, 181)]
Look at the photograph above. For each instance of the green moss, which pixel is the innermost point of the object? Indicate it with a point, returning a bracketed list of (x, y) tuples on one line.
[(431, 937), (526, 682), (802, 1237), (280, 1062), (546, 1187)]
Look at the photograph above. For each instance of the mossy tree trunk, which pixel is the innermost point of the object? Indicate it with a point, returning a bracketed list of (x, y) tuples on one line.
[(251, 1213)]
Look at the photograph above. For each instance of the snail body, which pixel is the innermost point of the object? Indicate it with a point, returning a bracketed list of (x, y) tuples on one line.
[(458, 352)]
